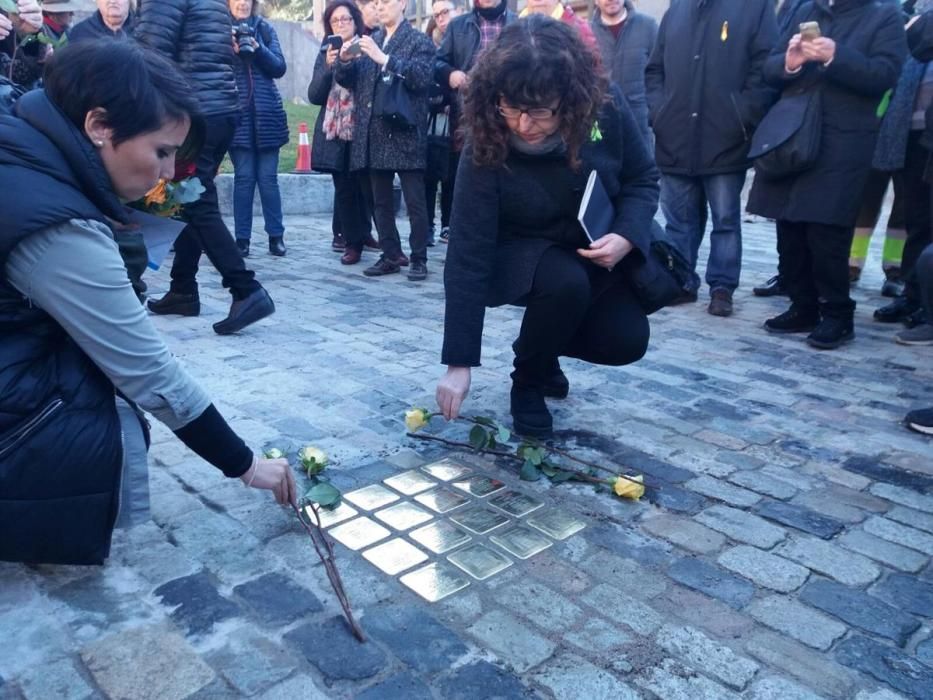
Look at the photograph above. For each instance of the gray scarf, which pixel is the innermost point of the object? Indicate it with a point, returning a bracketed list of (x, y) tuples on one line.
[(552, 144)]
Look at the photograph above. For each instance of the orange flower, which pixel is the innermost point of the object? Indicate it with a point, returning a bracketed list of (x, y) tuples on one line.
[(156, 195)]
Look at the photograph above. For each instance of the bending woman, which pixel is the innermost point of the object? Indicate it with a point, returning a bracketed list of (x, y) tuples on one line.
[(79, 358), (539, 118)]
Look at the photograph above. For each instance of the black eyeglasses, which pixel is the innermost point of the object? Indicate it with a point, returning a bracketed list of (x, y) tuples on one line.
[(442, 13), (536, 113)]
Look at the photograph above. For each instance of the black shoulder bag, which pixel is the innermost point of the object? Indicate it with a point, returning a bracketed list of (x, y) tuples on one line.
[(662, 277), (392, 102), (787, 142)]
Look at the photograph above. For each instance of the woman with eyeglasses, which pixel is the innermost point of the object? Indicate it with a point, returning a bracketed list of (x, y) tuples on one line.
[(539, 118)]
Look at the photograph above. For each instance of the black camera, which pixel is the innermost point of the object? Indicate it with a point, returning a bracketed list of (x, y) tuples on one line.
[(243, 35)]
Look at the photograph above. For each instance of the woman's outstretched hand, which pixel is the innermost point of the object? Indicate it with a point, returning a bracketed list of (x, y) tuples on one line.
[(452, 390), (273, 475), (607, 251)]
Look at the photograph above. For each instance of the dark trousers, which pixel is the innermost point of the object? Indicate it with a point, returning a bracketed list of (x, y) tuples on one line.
[(577, 309), (384, 212), (813, 261), (924, 274), (917, 211), (446, 187), (206, 231), (352, 208)]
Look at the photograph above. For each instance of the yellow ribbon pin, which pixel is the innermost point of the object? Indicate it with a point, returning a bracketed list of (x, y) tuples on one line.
[(724, 34)]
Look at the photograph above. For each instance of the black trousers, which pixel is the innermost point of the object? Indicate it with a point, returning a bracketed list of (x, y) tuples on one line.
[(206, 231), (917, 211), (384, 212), (447, 192), (813, 261), (352, 210), (577, 309), (924, 273)]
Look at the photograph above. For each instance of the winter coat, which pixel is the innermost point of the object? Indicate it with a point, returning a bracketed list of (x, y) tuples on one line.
[(920, 40), (627, 58), (262, 122), (706, 92), (505, 218), (196, 34), (326, 156), (94, 28), (870, 50), (891, 148), (376, 144)]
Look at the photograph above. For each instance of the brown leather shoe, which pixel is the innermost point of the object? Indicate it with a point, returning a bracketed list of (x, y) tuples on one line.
[(350, 257), (402, 260), (371, 243), (721, 303)]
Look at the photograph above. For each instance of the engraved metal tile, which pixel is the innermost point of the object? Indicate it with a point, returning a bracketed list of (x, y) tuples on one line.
[(371, 497), (480, 561), (359, 533), (521, 541), (395, 556), (435, 581), (441, 500), (333, 516), (479, 485), (556, 523), (515, 503), (479, 519), (446, 470), (410, 482), (403, 515), (440, 536)]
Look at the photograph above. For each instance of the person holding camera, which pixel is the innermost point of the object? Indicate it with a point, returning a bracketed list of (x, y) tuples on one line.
[(262, 129)]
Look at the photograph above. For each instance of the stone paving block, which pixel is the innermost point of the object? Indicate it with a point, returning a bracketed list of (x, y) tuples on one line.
[(653, 468), (675, 499), (876, 471), (331, 647), (906, 593), (883, 551), (26, 644), (599, 637), (549, 568), (900, 534), (629, 544), (701, 611), (146, 662), (764, 569), (799, 518), (207, 537), (741, 526), (570, 677), (196, 602), (251, 663), (763, 483), (684, 533), (886, 664), (905, 497), (831, 560), (401, 686), (299, 686), (879, 695), (860, 609), (779, 689), (798, 621), (673, 681), (925, 652), (276, 599), (551, 611), (914, 518), (700, 652), (828, 502), (817, 671), (58, 679), (514, 642), (482, 679), (607, 600), (707, 578), (723, 491), (415, 637)]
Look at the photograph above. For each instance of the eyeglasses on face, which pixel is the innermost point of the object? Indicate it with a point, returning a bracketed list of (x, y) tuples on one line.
[(536, 113), (442, 13), (346, 19)]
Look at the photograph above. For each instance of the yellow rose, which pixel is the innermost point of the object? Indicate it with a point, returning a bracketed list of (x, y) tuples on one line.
[(157, 194), (274, 453), (629, 487), (416, 419), (312, 455)]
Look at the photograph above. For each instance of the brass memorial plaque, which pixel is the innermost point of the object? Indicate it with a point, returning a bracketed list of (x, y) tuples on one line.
[(435, 581), (440, 536), (515, 503), (479, 485), (446, 470), (521, 541), (480, 561), (359, 533), (480, 520), (410, 482), (371, 497), (332, 517), (556, 523), (403, 515), (395, 556), (441, 500)]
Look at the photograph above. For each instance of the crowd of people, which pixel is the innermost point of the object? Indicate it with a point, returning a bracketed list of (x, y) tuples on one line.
[(510, 117)]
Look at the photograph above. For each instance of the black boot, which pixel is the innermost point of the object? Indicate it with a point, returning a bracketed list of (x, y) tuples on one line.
[(245, 311), (794, 320), (897, 311), (176, 304), (832, 332), (242, 245), (774, 287), (555, 384), (529, 412), (276, 246)]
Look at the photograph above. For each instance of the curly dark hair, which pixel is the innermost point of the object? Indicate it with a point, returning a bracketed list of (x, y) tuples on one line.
[(354, 11), (533, 62)]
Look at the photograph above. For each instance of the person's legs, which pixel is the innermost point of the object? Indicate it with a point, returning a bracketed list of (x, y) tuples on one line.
[(923, 272), (413, 191), (346, 206), (684, 207), (430, 198), (829, 254), (384, 213), (244, 187), (795, 271), (917, 203), (267, 176), (448, 194), (867, 220), (724, 194)]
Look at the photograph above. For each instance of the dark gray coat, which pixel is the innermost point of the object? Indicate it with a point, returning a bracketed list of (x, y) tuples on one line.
[(871, 47), (627, 58), (376, 145)]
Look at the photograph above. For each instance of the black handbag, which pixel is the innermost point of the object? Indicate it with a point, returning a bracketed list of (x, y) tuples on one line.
[(437, 167), (787, 142), (662, 277), (393, 103)]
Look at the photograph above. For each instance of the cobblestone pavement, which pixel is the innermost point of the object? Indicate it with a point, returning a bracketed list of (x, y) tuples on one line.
[(782, 551)]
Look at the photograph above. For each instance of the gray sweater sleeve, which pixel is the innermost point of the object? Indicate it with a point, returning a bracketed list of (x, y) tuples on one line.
[(74, 272)]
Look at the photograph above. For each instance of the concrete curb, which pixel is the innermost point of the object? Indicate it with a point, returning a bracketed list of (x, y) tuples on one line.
[(302, 195)]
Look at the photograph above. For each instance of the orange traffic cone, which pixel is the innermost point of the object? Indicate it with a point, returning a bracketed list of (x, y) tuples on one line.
[(303, 161)]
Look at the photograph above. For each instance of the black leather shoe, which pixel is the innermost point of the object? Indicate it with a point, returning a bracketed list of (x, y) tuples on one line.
[(793, 321), (418, 271), (242, 245), (556, 386), (831, 333), (381, 267), (917, 318), (277, 246), (175, 304), (897, 311), (774, 287), (243, 312), (529, 412)]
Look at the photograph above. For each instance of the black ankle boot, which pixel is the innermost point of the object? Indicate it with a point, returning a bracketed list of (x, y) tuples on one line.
[(555, 384), (831, 333), (895, 312), (242, 245), (794, 320), (529, 412), (277, 246), (176, 304)]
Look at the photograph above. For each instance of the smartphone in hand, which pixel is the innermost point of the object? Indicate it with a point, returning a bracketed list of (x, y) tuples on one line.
[(353, 49), (810, 31), (334, 41)]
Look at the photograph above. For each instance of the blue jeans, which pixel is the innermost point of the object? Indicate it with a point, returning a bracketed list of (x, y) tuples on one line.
[(684, 204), (252, 167)]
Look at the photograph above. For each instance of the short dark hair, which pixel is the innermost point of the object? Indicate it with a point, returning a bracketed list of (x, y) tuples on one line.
[(354, 11), (138, 89)]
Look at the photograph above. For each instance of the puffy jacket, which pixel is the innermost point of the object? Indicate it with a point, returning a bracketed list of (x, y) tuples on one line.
[(196, 34), (262, 124), (920, 41)]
